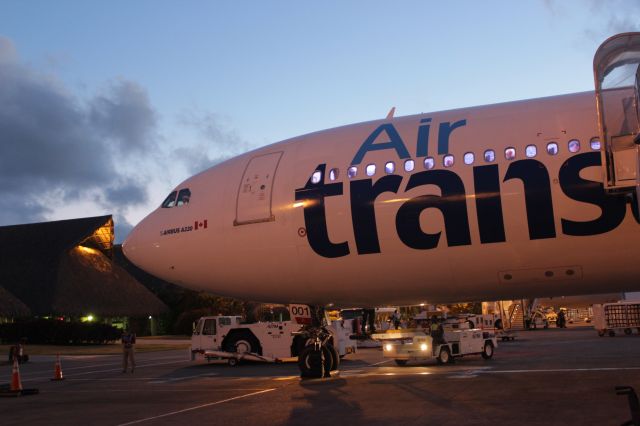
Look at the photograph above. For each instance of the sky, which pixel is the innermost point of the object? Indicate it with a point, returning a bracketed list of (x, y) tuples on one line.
[(107, 106)]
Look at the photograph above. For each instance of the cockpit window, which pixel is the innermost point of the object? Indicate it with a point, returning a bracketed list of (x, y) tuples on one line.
[(183, 197), (170, 201), (177, 198)]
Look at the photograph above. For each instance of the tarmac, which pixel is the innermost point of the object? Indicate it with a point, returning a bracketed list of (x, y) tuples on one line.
[(550, 377)]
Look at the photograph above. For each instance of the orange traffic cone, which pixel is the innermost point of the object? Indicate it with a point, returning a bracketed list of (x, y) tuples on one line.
[(57, 374), (16, 383)]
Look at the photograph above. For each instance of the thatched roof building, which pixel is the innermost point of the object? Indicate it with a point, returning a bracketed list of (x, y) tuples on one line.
[(11, 306), (65, 268)]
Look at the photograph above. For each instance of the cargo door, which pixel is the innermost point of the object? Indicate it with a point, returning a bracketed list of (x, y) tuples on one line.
[(615, 68), (254, 194)]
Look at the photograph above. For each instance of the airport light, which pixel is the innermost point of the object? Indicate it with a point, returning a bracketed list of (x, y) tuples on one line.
[(150, 317), (87, 250), (89, 317)]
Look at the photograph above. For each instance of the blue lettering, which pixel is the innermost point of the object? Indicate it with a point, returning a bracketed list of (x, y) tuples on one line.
[(444, 134), (394, 142)]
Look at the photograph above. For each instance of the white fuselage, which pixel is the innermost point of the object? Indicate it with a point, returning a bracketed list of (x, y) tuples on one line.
[(507, 228)]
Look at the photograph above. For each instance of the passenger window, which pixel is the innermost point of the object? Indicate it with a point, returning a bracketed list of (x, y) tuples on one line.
[(409, 165), (170, 201), (530, 151), (574, 145), (370, 169), (209, 328), (390, 167), (552, 148), (468, 158), (429, 163), (595, 144), (224, 321), (352, 172), (333, 174), (448, 160), (183, 197), (316, 177), (489, 156), (510, 153)]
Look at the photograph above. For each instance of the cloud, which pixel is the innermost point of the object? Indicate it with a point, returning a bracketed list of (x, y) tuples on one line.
[(124, 115), (54, 148), (122, 228), (606, 18), (7, 50), (219, 142), (126, 193), (619, 15)]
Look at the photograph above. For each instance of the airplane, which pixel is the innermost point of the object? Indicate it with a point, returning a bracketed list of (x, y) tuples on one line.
[(511, 200)]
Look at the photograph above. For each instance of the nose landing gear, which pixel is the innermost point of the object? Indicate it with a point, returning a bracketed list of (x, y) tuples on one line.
[(319, 357)]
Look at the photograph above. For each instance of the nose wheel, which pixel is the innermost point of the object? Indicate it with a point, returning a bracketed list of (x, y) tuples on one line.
[(315, 363), (318, 358)]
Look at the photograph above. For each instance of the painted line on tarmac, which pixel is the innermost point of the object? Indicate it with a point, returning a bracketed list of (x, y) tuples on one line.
[(84, 367), (280, 378), (472, 373), (157, 380), (381, 362), (197, 407), (560, 370), (129, 389), (32, 379)]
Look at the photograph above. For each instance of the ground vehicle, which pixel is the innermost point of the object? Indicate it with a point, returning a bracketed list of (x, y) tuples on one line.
[(468, 321), (610, 318), (226, 337), (418, 346), (258, 201)]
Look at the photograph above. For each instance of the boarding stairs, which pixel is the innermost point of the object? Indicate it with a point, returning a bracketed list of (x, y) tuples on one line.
[(616, 69), (516, 316)]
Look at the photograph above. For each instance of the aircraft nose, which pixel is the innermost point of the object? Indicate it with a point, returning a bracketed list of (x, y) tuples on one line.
[(138, 246)]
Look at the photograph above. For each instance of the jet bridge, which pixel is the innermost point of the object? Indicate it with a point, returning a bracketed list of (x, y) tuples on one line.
[(616, 72)]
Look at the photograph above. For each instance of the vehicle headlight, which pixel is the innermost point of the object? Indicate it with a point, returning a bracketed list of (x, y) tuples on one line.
[(388, 347), (423, 347)]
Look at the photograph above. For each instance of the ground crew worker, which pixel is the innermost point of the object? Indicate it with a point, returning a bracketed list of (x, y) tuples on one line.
[(561, 320), (395, 319), (128, 340), (437, 331)]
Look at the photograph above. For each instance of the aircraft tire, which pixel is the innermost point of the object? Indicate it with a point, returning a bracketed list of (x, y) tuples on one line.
[(241, 343), (311, 365), (487, 350), (444, 357), (401, 362)]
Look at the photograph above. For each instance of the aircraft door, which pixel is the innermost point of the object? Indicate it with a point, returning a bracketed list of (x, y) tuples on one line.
[(254, 194), (615, 66), (208, 334)]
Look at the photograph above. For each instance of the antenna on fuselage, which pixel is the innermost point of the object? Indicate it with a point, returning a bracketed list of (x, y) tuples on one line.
[(391, 112)]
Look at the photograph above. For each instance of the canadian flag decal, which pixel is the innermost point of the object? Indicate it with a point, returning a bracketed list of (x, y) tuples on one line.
[(200, 224)]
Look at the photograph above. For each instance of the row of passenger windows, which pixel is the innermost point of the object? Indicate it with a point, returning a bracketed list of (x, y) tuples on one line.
[(448, 160), (177, 198)]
